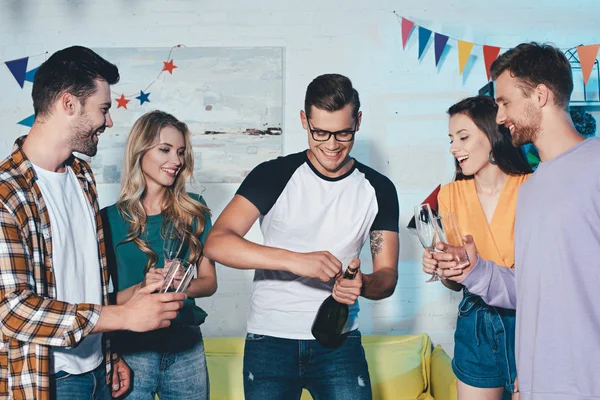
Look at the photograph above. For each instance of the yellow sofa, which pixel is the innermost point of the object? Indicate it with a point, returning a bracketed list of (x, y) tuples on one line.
[(401, 367)]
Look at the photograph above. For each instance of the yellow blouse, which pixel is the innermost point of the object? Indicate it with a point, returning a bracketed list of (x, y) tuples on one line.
[(495, 241)]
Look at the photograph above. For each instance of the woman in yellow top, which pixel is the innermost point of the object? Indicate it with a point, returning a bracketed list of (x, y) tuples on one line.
[(489, 171)]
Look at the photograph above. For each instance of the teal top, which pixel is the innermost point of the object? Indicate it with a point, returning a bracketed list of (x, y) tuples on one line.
[(127, 262)]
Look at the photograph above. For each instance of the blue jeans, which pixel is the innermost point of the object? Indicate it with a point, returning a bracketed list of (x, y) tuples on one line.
[(88, 386), (484, 344), (174, 369), (276, 369)]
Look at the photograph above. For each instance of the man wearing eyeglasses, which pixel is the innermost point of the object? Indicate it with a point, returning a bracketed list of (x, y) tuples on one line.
[(316, 208)]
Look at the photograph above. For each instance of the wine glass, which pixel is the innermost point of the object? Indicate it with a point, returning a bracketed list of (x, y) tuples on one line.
[(449, 234), (426, 232), (173, 242), (178, 277)]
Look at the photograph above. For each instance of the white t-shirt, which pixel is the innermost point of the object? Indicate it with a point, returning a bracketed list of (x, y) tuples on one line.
[(305, 211), (74, 260)]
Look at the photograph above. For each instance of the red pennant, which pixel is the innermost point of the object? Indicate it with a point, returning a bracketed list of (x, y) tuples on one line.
[(587, 57), (407, 27), (490, 53), (432, 199)]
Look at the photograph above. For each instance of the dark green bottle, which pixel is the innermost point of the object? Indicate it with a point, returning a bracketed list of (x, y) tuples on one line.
[(331, 318)]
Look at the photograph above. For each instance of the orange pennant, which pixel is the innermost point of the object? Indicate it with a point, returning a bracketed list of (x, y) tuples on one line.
[(464, 51), (587, 57), (490, 53)]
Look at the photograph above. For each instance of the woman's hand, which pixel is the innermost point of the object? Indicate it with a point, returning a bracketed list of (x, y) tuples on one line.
[(153, 275), (429, 263)]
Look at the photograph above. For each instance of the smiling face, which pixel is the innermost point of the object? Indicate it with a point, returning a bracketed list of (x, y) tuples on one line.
[(332, 157), (517, 111), (91, 120), (162, 163), (468, 144)]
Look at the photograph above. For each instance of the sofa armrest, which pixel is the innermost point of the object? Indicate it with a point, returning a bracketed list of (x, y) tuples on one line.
[(443, 380)]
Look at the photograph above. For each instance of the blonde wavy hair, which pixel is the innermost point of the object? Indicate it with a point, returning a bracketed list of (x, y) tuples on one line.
[(179, 207)]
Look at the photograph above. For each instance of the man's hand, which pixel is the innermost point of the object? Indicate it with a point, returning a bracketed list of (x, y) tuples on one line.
[(319, 264), (147, 311), (447, 265), (346, 291), (121, 378)]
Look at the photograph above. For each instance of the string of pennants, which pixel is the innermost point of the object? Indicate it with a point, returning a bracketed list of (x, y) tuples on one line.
[(587, 54), (18, 69)]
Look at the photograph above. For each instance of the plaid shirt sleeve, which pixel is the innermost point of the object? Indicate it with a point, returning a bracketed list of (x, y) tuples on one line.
[(28, 316)]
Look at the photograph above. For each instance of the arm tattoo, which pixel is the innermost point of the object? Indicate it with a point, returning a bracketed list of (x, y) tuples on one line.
[(376, 242)]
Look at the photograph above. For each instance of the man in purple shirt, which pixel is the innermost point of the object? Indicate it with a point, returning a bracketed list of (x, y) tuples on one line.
[(556, 280)]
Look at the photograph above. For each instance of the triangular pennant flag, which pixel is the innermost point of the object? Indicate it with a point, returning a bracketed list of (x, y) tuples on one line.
[(18, 68), (433, 204), (31, 74), (407, 27), (424, 35), (464, 51), (439, 44), (587, 57), (27, 121), (490, 53)]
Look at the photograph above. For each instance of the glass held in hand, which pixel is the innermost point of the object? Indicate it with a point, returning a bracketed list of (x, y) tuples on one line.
[(331, 318), (178, 277), (173, 242), (449, 234), (426, 232)]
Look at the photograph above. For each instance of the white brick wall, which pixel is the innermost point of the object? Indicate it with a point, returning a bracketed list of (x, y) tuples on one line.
[(404, 100)]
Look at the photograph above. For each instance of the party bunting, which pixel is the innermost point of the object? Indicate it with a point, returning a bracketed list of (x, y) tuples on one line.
[(18, 69), (407, 27), (432, 200), (424, 35), (464, 51), (122, 102), (490, 53), (439, 44), (27, 121), (169, 66), (31, 74), (143, 97), (587, 58)]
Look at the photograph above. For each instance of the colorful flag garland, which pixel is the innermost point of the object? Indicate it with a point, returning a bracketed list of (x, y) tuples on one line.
[(587, 54), (18, 69)]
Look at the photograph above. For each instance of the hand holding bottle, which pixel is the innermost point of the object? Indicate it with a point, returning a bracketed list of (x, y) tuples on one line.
[(346, 291)]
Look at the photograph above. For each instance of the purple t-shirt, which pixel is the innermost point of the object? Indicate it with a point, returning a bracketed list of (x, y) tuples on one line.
[(556, 281)]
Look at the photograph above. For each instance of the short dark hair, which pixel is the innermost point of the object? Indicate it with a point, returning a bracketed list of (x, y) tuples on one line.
[(73, 70), (331, 92), (534, 64), (482, 111)]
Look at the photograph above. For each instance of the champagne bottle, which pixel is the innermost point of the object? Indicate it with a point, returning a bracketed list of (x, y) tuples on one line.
[(331, 318)]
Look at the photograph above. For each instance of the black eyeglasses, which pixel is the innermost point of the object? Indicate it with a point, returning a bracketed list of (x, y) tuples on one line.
[(319, 135)]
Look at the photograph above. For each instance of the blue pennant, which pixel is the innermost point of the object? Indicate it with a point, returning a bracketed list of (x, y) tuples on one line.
[(143, 97), (31, 74), (27, 121), (18, 68)]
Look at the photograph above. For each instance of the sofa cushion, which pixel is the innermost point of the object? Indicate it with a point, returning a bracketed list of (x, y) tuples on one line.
[(398, 366)]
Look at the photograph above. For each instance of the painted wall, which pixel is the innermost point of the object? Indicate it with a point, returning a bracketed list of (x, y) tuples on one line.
[(404, 99)]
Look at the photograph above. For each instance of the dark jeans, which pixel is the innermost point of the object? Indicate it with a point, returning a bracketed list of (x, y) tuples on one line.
[(276, 369), (89, 386)]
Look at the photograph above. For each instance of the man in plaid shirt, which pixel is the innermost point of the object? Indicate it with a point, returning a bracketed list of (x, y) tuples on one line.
[(53, 272)]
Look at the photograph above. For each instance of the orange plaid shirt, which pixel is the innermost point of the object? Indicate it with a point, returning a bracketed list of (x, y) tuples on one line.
[(31, 319)]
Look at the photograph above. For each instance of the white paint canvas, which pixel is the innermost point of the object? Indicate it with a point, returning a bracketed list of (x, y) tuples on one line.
[(231, 99)]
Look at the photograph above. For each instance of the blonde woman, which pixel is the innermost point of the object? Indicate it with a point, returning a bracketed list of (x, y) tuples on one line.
[(158, 162)]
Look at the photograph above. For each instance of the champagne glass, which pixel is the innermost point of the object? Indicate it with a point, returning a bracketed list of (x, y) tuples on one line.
[(449, 234), (178, 277), (424, 222), (173, 242)]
